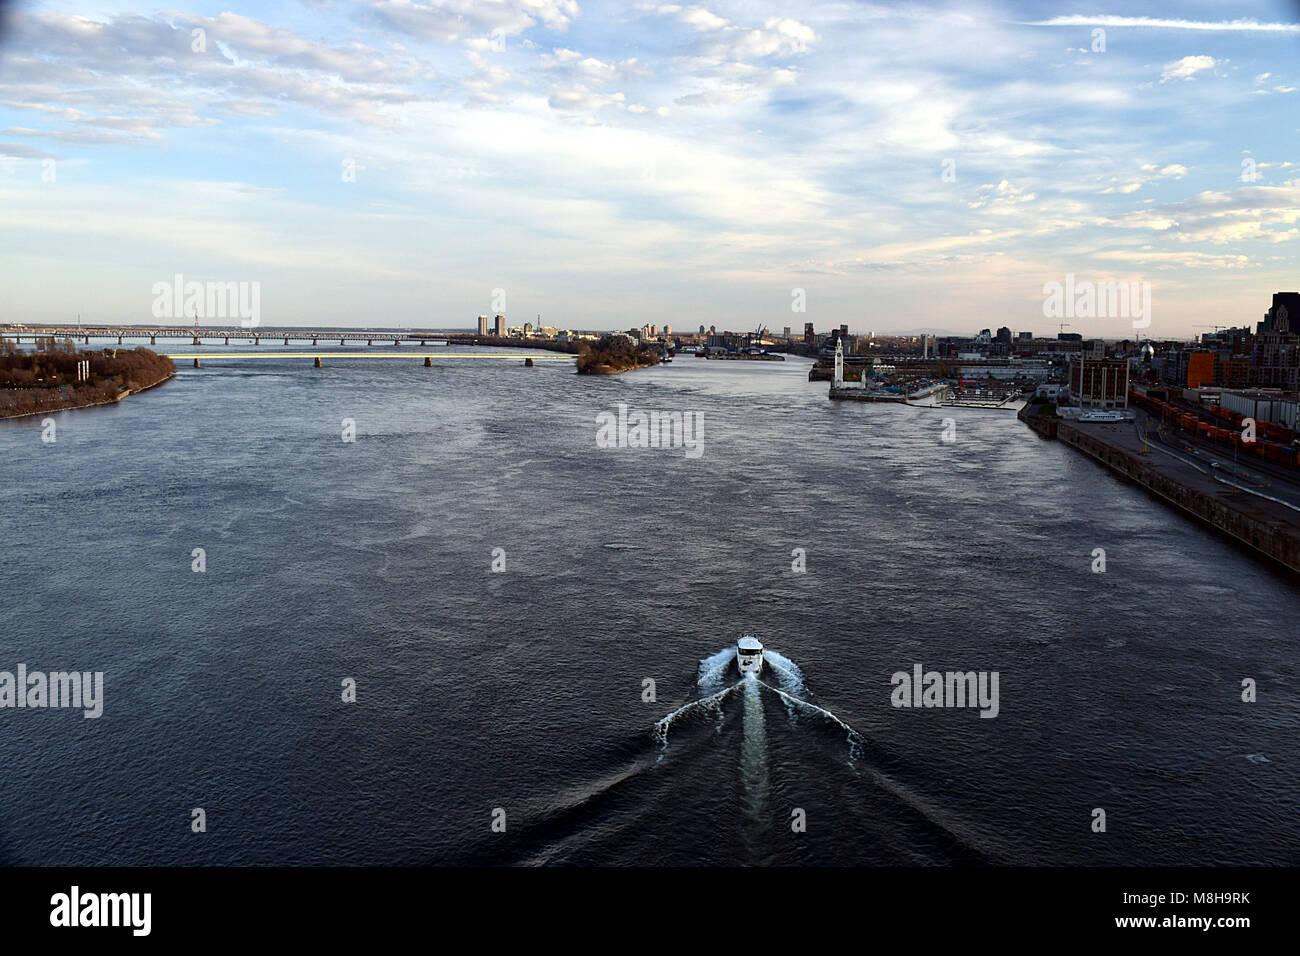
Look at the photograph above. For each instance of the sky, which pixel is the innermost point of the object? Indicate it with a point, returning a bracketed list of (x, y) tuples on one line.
[(892, 167)]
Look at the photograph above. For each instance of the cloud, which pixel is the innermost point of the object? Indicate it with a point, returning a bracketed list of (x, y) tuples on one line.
[(1001, 197), (449, 21), (21, 151), (1236, 26), (580, 98), (1187, 67), (1250, 213)]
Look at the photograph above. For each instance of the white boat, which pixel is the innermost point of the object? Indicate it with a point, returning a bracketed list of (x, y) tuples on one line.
[(749, 655)]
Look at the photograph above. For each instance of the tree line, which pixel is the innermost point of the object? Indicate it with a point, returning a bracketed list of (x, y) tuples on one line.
[(47, 380), (615, 353)]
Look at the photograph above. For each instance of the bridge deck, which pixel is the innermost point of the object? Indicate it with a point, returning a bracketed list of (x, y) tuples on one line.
[(413, 353)]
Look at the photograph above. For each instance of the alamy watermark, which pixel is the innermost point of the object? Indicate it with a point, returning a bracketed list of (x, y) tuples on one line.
[(1098, 300), (653, 429), (58, 689), (179, 299), (922, 688), (77, 908)]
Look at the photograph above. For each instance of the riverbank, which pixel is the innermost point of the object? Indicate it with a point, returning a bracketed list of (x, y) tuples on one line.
[(38, 383)]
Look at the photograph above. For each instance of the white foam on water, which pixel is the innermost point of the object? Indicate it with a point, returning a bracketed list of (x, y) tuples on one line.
[(787, 672), (857, 743), (713, 670), (788, 675), (753, 755), (662, 726)]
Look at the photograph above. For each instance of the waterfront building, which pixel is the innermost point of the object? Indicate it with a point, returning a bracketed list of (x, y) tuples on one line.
[(482, 325), (1099, 383), (500, 324)]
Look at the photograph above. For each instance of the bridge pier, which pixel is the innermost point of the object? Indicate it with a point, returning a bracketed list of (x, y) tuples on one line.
[(196, 340), (340, 341), (119, 340), (396, 343), (153, 340), (313, 341), (428, 361), (227, 339), (87, 340), (370, 341), (196, 363), (257, 341), (286, 340), (318, 364)]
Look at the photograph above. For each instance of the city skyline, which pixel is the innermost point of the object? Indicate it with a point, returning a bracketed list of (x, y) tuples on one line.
[(417, 164)]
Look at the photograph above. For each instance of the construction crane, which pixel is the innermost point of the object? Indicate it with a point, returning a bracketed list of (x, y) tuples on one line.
[(1061, 328), (1217, 328)]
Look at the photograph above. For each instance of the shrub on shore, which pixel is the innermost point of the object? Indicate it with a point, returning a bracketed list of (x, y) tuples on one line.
[(615, 353)]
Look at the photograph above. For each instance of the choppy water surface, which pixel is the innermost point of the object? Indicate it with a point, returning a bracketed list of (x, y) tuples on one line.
[(524, 690)]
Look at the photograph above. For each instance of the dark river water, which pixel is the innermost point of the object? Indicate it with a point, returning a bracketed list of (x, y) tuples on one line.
[(519, 696)]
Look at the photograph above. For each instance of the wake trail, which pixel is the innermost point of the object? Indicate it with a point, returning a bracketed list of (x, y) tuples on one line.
[(663, 724), (754, 772), (713, 670), (788, 675), (857, 743), (932, 814)]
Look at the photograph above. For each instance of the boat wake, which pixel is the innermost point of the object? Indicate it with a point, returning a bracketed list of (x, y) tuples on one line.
[(711, 703), (713, 672), (789, 677), (857, 743), (753, 770)]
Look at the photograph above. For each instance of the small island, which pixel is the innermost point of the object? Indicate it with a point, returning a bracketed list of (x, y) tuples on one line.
[(615, 353), (55, 378)]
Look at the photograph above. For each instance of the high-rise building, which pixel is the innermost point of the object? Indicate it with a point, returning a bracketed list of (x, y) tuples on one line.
[(1285, 314), (668, 331), (787, 333), (809, 336), (1004, 335), (482, 325), (1276, 357), (500, 321)]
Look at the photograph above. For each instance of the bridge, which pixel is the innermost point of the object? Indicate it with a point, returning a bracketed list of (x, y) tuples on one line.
[(319, 357), (196, 334)]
